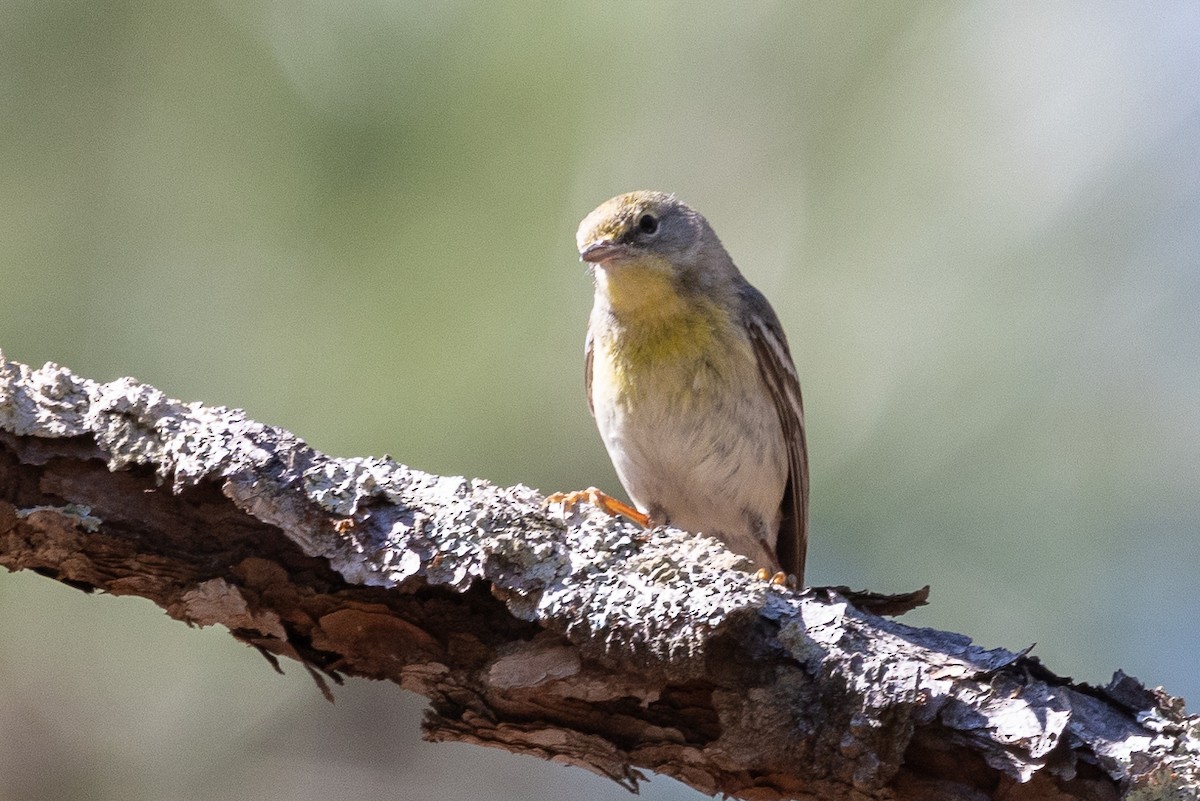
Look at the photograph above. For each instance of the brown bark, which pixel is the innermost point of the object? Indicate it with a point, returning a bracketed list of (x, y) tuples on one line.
[(584, 641)]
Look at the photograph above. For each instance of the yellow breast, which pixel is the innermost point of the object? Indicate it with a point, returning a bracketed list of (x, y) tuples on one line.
[(651, 341)]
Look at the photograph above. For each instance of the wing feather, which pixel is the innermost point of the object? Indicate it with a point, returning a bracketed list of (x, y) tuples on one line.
[(779, 374), (587, 370)]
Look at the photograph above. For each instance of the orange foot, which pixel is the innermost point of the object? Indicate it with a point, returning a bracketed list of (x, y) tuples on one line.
[(601, 501), (779, 579)]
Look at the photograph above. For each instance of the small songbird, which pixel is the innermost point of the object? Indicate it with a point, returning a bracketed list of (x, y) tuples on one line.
[(692, 385)]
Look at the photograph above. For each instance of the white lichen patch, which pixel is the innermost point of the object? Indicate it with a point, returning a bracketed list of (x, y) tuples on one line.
[(77, 513), (529, 665), (47, 402)]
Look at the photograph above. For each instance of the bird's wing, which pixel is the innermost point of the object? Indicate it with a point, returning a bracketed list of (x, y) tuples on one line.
[(779, 374), (587, 370)]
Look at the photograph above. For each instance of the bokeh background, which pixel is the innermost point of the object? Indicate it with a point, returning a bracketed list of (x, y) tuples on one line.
[(979, 223)]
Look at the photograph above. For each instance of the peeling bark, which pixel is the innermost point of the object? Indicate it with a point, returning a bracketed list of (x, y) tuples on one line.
[(582, 640)]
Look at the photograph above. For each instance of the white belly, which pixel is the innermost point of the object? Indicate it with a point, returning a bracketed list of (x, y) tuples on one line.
[(720, 472)]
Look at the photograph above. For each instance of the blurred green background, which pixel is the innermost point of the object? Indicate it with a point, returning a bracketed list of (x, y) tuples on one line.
[(979, 223)]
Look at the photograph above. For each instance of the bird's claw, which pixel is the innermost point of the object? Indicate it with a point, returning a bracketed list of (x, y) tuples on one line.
[(779, 579), (601, 501)]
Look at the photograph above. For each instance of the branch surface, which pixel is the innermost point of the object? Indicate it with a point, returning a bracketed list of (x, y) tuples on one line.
[(582, 640)]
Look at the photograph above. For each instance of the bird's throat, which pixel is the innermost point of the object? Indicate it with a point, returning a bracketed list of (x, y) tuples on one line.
[(642, 290), (649, 324)]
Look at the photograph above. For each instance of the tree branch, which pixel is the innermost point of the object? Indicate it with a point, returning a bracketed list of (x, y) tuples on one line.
[(582, 640)]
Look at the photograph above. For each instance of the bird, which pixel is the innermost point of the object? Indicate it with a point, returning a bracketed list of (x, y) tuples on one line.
[(692, 385)]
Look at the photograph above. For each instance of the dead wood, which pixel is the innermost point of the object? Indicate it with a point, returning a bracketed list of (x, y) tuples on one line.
[(581, 640)]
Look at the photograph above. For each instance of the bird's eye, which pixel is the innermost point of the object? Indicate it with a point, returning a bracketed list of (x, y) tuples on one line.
[(648, 224)]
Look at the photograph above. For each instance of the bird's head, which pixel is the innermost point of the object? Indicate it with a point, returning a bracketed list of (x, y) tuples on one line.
[(639, 235)]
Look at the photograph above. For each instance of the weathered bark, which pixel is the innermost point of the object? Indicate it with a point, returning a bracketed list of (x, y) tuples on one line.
[(584, 641)]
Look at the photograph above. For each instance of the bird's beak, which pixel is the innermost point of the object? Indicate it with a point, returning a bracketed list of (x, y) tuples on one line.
[(600, 252)]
